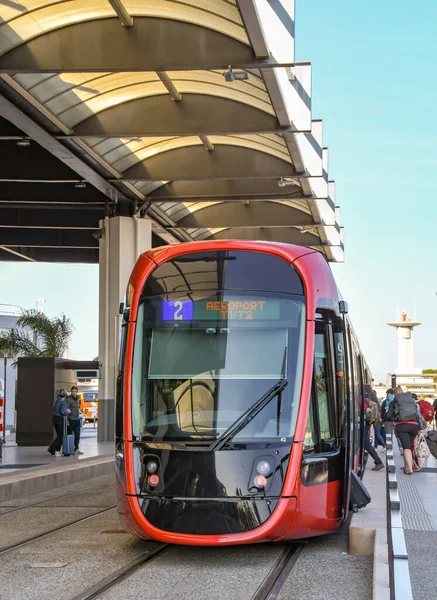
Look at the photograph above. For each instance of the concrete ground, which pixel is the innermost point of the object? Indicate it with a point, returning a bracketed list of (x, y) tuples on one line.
[(419, 517), (19, 457), (76, 554)]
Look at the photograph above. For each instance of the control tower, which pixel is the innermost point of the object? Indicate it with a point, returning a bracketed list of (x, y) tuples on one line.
[(407, 374), (404, 331)]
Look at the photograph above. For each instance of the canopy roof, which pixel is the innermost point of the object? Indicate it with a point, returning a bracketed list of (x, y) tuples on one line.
[(192, 113)]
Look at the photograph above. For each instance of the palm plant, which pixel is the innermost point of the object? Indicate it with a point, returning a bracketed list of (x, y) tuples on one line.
[(37, 335)]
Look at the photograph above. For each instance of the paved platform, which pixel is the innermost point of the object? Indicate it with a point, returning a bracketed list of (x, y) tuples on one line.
[(28, 470), (368, 530), (22, 457), (418, 494)]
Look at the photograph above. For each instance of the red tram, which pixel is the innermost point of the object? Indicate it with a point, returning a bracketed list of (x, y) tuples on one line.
[(238, 413)]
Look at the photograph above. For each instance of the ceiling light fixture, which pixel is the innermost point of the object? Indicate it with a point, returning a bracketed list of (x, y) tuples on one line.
[(231, 75), (284, 182), (80, 184), (23, 143)]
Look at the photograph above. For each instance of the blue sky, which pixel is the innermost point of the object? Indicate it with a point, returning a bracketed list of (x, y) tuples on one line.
[(374, 86)]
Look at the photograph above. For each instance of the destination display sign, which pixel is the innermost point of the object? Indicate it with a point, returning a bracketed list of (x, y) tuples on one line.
[(238, 309)]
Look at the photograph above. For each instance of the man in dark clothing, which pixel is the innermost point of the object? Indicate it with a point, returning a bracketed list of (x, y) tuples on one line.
[(74, 418), (59, 413), (369, 396)]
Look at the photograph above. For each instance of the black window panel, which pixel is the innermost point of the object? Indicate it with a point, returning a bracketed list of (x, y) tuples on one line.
[(224, 270)]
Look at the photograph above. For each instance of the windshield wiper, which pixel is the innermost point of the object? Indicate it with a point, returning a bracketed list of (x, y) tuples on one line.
[(247, 416)]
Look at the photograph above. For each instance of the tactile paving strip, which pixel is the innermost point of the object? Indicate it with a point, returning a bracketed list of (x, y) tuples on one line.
[(414, 515)]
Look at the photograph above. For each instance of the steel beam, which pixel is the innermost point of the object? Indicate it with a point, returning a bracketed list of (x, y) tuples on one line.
[(37, 204), (13, 114), (209, 147), (47, 238), (16, 253), (55, 255), (14, 216), (48, 142), (169, 85), (121, 12), (228, 189)]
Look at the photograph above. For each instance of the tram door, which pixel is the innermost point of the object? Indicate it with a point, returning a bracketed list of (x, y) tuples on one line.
[(324, 450)]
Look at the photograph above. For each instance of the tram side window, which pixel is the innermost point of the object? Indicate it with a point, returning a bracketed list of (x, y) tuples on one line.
[(324, 398), (340, 367), (320, 433), (311, 440)]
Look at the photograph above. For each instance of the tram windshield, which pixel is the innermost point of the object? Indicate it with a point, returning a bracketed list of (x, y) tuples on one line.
[(203, 358)]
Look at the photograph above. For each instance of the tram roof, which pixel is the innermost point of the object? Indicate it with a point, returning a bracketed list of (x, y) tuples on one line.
[(192, 112)]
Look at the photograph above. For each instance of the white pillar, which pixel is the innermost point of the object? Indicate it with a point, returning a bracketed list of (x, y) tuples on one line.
[(123, 240), (405, 350)]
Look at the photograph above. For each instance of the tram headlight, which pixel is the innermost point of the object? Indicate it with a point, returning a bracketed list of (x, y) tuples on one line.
[(152, 466), (263, 467)]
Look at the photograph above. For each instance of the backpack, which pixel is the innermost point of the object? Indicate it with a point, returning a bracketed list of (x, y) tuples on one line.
[(372, 413), (383, 409), (426, 410), (405, 407), (390, 413)]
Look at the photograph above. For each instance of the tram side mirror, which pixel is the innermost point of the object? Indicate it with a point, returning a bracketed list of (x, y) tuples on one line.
[(343, 307), (121, 308)]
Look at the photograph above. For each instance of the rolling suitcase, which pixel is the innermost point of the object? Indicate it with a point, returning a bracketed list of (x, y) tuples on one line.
[(431, 440), (359, 497), (67, 441)]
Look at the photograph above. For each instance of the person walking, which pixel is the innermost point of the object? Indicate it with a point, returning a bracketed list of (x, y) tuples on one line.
[(59, 412), (384, 407), (406, 415), (370, 395), (74, 418), (378, 428)]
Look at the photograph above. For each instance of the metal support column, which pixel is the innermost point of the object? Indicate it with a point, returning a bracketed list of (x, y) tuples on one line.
[(123, 240)]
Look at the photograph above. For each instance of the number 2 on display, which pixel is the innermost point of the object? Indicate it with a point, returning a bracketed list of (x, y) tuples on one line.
[(178, 308)]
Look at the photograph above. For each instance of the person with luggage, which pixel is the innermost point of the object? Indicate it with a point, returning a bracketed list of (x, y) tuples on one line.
[(74, 418), (369, 416), (404, 411), (59, 412), (423, 428)]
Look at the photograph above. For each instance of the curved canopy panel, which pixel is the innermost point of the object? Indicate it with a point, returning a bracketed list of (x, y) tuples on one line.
[(75, 97), (28, 19), (192, 113)]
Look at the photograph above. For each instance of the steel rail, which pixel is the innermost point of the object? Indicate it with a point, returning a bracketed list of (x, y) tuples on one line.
[(41, 535), (121, 574), (275, 579)]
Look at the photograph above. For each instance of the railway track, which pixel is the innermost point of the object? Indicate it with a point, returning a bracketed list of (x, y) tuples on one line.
[(273, 582), (267, 590), (55, 529), (121, 574)]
